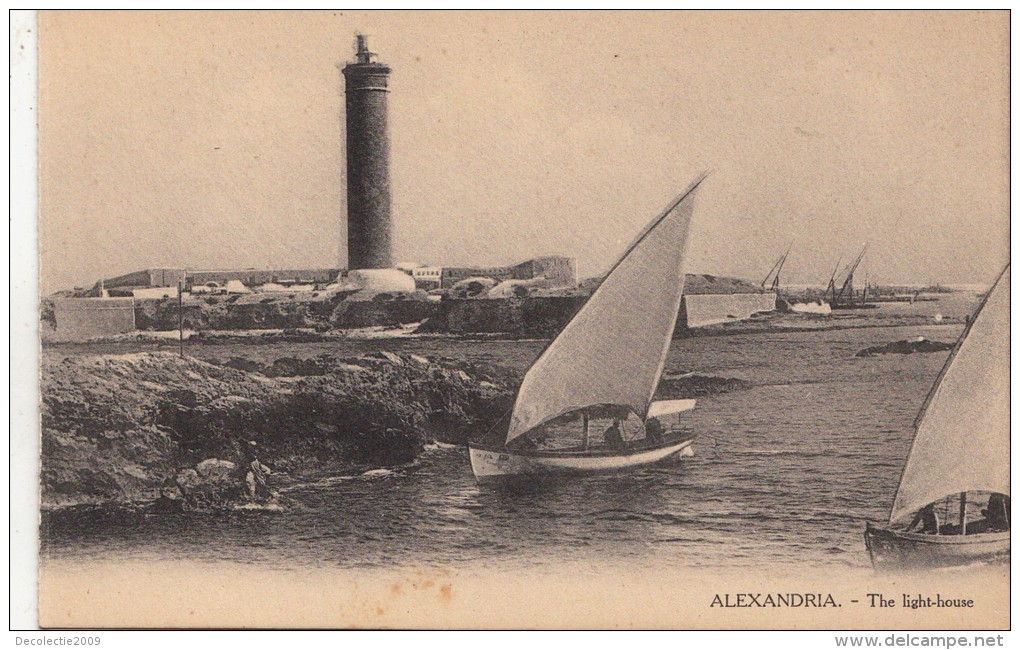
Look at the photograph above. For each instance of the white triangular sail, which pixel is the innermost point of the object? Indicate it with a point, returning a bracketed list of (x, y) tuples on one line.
[(962, 437), (614, 348)]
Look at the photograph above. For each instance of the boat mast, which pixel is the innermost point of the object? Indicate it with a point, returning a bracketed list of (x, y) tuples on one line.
[(776, 269), (584, 436), (832, 281), (769, 274), (775, 281), (848, 285), (963, 513)]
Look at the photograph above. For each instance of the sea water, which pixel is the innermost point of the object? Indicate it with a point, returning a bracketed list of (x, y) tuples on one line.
[(786, 472)]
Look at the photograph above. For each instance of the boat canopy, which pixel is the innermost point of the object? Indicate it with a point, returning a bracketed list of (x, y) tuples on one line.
[(613, 350), (961, 441), (670, 406)]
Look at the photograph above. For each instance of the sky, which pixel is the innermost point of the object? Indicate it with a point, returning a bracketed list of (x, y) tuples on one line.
[(216, 139)]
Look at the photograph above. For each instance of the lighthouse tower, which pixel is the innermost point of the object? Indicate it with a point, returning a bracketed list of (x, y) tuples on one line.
[(368, 162)]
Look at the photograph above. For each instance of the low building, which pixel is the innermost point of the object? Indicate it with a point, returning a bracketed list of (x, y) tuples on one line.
[(556, 270), (212, 288), (427, 277), (255, 277), (372, 281), (451, 275), (237, 287), (212, 281)]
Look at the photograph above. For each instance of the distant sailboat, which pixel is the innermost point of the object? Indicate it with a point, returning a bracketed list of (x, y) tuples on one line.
[(961, 447), (772, 279), (845, 297), (787, 304), (604, 367)]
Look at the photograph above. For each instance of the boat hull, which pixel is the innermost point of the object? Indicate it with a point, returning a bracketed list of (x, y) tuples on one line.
[(821, 308), (494, 462), (854, 306), (891, 549)]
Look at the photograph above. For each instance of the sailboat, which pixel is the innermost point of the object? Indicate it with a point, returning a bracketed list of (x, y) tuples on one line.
[(846, 297), (959, 460), (772, 279), (787, 304), (585, 405)]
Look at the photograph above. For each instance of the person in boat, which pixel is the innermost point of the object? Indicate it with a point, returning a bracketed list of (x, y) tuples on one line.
[(255, 481), (997, 512), (653, 431), (612, 436), (929, 520), (526, 443)]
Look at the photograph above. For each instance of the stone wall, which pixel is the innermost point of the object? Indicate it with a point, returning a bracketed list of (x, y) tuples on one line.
[(81, 319), (543, 317)]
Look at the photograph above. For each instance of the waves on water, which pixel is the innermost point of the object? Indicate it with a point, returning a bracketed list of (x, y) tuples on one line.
[(373, 473), (441, 445), (790, 469)]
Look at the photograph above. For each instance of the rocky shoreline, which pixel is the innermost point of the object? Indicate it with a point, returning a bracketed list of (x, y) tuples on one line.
[(158, 428), (162, 432)]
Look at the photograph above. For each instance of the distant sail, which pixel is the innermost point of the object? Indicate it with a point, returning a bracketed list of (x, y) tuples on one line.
[(614, 349), (962, 433)]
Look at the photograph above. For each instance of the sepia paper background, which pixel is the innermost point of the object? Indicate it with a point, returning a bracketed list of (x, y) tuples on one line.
[(215, 139), (511, 128)]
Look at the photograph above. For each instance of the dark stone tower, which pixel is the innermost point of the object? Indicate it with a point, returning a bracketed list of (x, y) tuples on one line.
[(368, 163)]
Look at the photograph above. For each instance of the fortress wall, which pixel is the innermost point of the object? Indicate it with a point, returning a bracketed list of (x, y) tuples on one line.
[(532, 317), (370, 313), (476, 315), (80, 319), (539, 317)]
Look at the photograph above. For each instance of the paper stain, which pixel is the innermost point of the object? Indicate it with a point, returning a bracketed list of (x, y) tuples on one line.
[(419, 583)]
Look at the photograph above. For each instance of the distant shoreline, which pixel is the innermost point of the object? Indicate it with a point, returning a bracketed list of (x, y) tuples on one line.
[(766, 323)]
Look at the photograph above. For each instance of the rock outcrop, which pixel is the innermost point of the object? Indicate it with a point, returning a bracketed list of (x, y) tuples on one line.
[(130, 428), (691, 384), (909, 346), (156, 428)]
